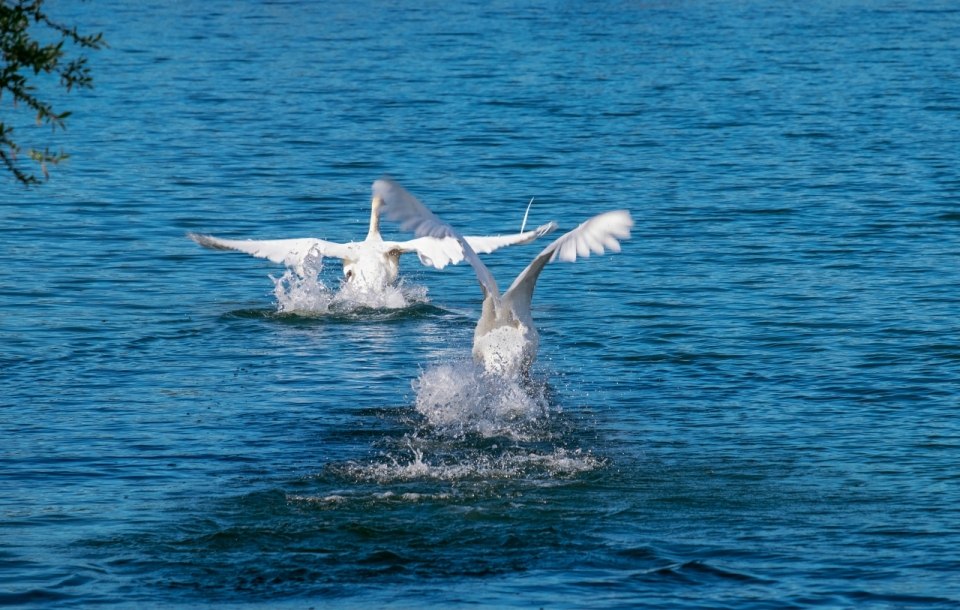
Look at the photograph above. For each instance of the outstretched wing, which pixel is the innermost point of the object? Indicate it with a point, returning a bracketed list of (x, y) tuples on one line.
[(486, 245), (290, 252), (433, 252), (402, 207), (603, 231)]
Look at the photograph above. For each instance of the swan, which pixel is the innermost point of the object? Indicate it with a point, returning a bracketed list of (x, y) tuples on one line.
[(372, 264), (506, 340)]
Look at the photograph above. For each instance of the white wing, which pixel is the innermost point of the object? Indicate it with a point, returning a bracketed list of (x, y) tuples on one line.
[(433, 252), (486, 245), (402, 207), (603, 231), (290, 252)]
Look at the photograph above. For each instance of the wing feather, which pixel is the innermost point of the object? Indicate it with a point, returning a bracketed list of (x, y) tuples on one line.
[(290, 252), (486, 245), (403, 207), (594, 235)]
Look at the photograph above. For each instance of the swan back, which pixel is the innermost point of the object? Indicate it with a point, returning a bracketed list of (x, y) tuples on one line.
[(506, 339)]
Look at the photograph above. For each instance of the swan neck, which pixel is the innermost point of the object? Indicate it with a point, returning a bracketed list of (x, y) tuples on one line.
[(374, 232)]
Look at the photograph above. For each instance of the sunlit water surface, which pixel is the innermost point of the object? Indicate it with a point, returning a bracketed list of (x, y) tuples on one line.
[(755, 404)]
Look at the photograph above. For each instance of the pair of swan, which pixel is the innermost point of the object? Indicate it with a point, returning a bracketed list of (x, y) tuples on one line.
[(505, 341)]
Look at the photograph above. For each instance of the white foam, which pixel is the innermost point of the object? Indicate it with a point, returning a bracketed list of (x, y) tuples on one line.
[(387, 496), (515, 463), (309, 295), (351, 297)]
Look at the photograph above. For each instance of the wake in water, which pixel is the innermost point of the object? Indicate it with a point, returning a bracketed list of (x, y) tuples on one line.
[(512, 462), (474, 426), (309, 294)]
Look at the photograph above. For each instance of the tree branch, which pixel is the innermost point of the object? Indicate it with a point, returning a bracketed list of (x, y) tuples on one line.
[(21, 54)]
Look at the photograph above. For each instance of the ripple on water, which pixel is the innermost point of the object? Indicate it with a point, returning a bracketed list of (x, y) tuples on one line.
[(407, 511)]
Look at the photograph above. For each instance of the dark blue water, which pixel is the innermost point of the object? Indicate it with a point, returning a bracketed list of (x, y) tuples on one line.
[(755, 404)]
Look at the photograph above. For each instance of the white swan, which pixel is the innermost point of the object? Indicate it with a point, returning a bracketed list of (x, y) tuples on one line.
[(372, 264), (506, 340)]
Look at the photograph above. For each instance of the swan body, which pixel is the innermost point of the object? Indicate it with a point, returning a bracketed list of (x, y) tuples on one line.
[(371, 264), (506, 340)]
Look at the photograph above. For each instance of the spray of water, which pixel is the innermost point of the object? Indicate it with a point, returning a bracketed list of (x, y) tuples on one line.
[(461, 398), (468, 425), (309, 294), (477, 426)]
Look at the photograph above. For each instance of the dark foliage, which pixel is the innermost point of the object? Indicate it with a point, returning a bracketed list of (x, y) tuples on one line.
[(22, 57)]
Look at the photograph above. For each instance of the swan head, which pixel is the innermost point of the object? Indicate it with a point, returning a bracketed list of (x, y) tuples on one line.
[(377, 204)]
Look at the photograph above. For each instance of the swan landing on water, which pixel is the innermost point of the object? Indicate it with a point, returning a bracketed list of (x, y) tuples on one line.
[(372, 264), (506, 340)]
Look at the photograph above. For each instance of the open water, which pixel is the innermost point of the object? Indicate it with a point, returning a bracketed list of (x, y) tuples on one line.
[(754, 405)]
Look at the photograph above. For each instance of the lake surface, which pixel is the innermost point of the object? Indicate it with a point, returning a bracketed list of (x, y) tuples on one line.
[(754, 404)]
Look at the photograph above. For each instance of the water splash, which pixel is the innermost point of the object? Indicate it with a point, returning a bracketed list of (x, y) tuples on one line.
[(307, 294), (351, 297), (461, 399), (467, 425), (310, 295)]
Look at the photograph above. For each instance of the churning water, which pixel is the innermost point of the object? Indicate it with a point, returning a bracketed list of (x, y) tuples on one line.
[(755, 404), (309, 294)]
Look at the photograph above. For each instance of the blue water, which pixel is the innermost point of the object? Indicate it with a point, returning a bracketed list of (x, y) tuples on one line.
[(755, 404)]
